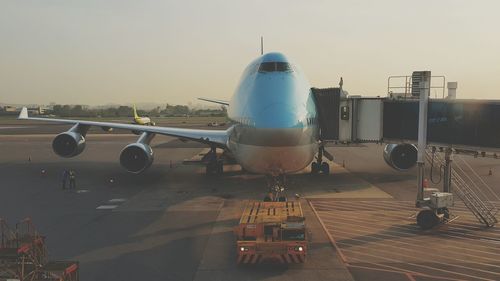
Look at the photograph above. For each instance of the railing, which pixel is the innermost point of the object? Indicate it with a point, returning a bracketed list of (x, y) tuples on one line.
[(401, 86), (471, 189)]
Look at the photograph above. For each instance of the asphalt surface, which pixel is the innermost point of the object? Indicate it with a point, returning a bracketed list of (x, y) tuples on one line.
[(170, 223), (174, 223)]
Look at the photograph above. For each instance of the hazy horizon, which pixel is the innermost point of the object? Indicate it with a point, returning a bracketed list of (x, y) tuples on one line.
[(101, 52)]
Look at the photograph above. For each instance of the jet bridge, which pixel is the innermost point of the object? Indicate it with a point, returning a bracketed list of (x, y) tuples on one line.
[(461, 124), (447, 123)]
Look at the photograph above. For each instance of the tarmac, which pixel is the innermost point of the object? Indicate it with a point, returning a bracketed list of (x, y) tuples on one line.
[(175, 223)]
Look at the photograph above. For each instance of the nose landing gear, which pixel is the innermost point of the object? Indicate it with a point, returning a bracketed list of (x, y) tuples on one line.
[(276, 186), (318, 165)]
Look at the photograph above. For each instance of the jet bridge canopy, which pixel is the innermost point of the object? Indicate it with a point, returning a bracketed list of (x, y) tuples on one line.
[(327, 105)]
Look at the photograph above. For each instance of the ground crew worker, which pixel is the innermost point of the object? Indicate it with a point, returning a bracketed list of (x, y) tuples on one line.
[(65, 178), (72, 179)]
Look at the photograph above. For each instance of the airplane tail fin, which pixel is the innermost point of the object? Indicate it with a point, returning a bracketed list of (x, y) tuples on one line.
[(135, 112), (23, 114)]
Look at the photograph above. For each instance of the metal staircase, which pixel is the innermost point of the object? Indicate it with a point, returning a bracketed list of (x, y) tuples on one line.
[(467, 186)]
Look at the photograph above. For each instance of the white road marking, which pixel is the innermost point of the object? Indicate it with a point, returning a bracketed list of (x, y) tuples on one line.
[(82, 191), (106, 207), (117, 200)]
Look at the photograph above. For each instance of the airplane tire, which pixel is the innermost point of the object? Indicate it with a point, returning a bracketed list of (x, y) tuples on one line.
[(282, 199), (325, 168), (220, 167), (215, 168), (212, 168), (208, 169), (314, 168), (267, 199)]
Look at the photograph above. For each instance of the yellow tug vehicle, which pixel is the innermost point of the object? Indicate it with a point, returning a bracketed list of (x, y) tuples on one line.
[(271, 232)]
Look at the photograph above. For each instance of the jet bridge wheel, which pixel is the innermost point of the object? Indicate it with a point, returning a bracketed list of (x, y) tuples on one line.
[(429, 218)]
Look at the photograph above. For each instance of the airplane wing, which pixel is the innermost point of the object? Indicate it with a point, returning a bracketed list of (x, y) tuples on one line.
[(213, 137), (223, 102)]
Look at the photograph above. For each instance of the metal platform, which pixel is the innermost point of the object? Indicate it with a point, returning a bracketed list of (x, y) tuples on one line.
[(23, 256)]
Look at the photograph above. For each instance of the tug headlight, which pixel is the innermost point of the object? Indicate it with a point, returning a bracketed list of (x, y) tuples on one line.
[(244, 249), (299, 248)]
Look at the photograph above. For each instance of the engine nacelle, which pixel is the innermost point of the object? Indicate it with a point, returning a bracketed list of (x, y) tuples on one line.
[(136, 157), (400, 156), (68, 144)]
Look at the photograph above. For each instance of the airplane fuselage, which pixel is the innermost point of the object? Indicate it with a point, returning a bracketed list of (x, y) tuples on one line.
[(142, 120), (275, 129)]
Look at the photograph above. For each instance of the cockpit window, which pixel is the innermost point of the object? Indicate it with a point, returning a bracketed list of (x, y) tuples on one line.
[(283, 66), (274, 66)]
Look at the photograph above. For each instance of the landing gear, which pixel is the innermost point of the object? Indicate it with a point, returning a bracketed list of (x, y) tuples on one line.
[(319, 165), (276, 189), (214, 166), (314, 167)]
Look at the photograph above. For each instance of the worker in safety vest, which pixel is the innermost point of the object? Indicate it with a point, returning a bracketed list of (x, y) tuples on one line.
[(72, 179)]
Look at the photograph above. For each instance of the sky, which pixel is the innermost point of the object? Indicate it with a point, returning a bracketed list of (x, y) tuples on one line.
[(119, 51)]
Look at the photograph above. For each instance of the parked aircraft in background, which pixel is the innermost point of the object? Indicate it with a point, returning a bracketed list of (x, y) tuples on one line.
[(142, 120)]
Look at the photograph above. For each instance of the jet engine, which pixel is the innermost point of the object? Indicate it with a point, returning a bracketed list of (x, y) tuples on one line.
[(68, 144), (136, 157), (400, 156)]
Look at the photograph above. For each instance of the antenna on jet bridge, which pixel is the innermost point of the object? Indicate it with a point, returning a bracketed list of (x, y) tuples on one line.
[(261, 45)]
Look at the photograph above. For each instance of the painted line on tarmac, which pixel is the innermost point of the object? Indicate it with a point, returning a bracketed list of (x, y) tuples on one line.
[(117, 200), (106, 207)]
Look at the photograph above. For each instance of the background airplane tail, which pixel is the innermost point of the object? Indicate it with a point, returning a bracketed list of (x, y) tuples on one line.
[(135, 112)]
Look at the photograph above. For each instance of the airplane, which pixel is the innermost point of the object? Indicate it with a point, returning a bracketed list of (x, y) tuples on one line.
[(142, 120), (274, 131)]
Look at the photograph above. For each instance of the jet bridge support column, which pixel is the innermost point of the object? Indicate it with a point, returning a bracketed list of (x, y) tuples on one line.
[(424, 88), (434, 209)]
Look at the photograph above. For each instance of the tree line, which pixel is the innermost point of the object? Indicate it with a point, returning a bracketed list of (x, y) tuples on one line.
[(127, 111)]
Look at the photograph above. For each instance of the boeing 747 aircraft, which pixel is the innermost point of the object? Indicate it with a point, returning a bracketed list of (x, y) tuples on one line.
[(275, 126)]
